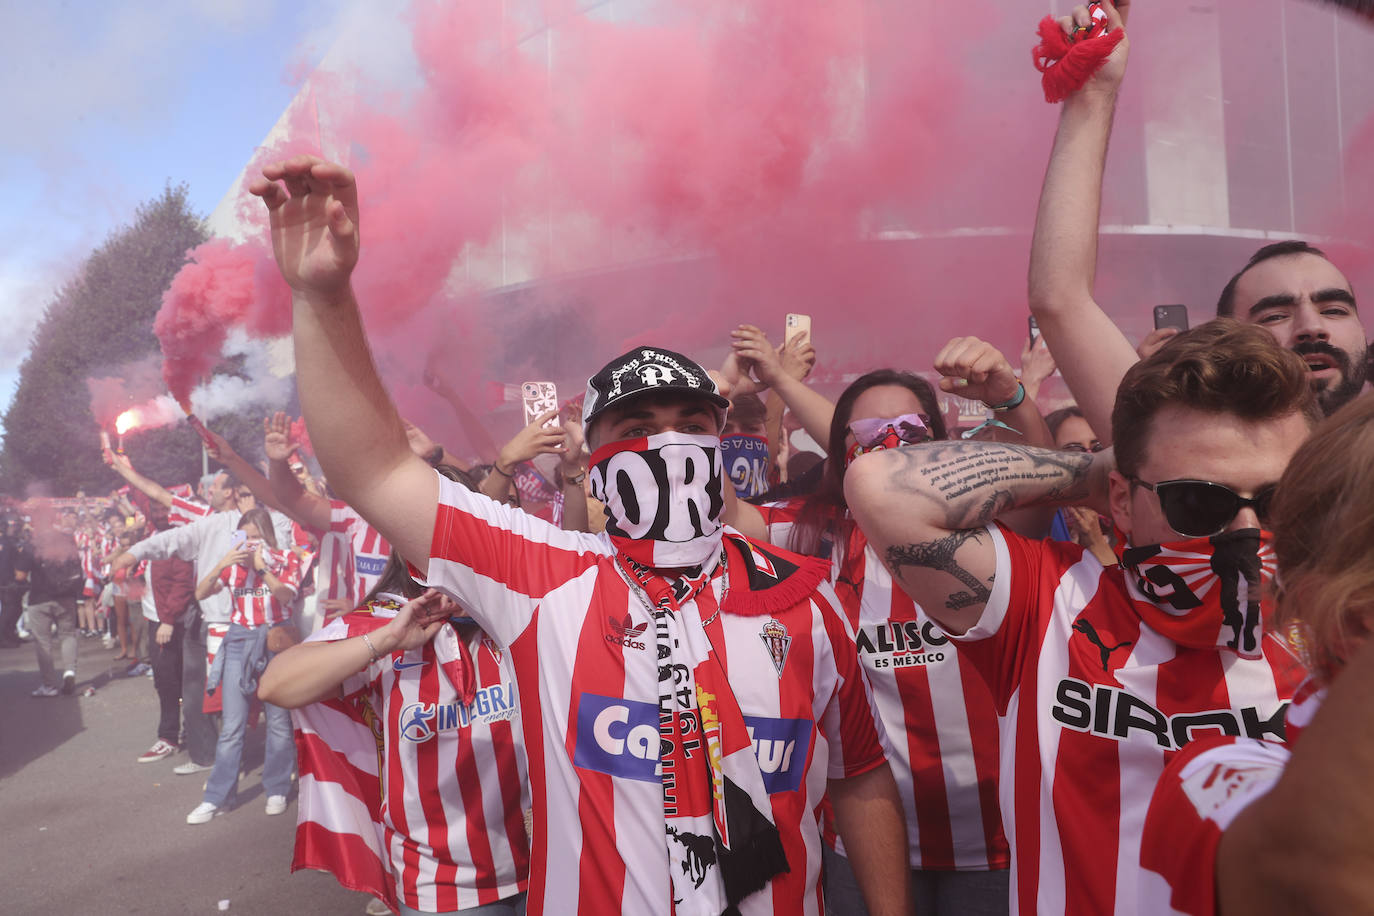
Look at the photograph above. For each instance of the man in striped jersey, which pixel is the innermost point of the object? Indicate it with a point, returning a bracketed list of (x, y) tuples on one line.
[(1101, 675), (688, 697)]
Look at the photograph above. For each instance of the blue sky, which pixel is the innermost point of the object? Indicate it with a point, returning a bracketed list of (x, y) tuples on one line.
[(104, 103)]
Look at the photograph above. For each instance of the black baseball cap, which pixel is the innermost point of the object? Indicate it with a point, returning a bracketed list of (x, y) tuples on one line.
[(646, 370)]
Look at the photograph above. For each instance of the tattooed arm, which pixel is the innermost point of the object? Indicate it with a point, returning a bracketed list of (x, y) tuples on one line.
[(925, 509)]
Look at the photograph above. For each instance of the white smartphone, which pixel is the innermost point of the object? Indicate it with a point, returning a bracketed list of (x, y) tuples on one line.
[(539, 398)]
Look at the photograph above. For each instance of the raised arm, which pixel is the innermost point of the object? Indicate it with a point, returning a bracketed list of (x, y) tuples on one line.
[(307, 508), (244, 471), (1091, 351), (313, 670), (122, 466), (357, 434), (479, 437), (534, 439), (925, 509), (758, 357)]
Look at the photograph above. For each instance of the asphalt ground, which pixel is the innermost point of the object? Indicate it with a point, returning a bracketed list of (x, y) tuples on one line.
[(86, 829)]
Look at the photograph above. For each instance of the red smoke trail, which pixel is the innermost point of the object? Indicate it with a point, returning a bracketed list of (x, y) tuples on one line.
[(873, 164)]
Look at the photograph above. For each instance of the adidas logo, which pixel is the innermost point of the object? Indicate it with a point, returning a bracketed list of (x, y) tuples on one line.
[(625, 633)]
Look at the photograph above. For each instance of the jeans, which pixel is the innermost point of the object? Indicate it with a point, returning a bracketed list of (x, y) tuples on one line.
[(198, 727), (281, 748), (511, 906), (41, 618), (942, 893), (167, 682)]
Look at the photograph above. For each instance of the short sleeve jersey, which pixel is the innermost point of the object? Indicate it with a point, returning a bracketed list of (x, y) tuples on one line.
[(1094, 703), (582, 647), (453, 774), (936, 710), (1202, 791), (253, 601), (367, 554)]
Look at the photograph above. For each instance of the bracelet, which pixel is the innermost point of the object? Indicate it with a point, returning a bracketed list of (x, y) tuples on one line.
[(495, 466), (575, 481), (371, 648), (1015, 401)]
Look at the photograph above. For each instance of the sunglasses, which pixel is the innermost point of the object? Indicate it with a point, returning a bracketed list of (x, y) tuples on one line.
[(1094, 447), (1200, 508), (910, 428)]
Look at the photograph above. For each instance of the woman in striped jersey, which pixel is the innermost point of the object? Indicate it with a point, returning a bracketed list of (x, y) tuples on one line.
[(410, 678), (263, 582), (938, 712)]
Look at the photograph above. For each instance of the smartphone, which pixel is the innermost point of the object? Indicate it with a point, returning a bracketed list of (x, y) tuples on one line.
[(1171, 316), (539, 398), (238, 540), (797, 326), (1033, 328)]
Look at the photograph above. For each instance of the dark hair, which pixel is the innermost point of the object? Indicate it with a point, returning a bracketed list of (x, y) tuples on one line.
[(263, 519), (823, 512), (1226, 305), (747, 410), (1224, 366), (1055, 419), (395, 577)]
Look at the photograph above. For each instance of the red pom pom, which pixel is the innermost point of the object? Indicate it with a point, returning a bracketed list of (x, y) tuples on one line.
[(1067, 66)]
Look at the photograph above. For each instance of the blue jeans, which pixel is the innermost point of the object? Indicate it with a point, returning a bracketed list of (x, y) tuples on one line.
[(938, 893), (280, 754), (511, 906)]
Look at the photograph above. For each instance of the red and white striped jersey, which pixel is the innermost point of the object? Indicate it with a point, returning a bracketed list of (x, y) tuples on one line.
[(184, 510), (254, 604), (582, 647), (1202, 790), (1094, 703), (936, 710), (214, 638), (367, 555), (453, 777)]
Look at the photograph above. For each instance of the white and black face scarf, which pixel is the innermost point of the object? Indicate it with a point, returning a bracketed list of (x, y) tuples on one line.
[(664, 497)]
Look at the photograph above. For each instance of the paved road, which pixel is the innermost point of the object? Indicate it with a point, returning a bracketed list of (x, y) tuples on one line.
[(86, 829)]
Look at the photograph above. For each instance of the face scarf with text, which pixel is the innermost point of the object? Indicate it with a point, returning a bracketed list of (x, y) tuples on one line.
[(664, 496), (1203, 592)]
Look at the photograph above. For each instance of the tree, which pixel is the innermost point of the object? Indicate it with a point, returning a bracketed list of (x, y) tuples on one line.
[(101, 320)]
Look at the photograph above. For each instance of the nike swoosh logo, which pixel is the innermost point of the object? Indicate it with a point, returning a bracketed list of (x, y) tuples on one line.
[(401, 666)]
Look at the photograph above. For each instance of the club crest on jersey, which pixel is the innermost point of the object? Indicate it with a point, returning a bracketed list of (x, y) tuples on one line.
[(492, 647), (777, 642), (625, 632)]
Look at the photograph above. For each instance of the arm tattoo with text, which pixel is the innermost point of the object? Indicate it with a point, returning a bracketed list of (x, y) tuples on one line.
[(939, 554), (978, 481)]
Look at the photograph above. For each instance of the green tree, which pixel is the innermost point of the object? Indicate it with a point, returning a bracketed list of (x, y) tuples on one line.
[(100, 320)]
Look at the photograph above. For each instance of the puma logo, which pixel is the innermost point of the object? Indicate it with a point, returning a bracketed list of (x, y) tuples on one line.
[(1082, 626)]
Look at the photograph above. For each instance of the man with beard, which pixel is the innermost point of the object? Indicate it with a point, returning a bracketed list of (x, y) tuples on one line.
[(1102, 675), (687, 696), (1295, 293), (1288, 288)]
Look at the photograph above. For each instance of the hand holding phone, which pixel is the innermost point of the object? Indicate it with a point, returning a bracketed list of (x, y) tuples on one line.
[(539, 398), (1171, 316)]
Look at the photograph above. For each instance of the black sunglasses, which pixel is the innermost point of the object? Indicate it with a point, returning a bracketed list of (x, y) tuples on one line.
[(1200, 508), (1095, 447)]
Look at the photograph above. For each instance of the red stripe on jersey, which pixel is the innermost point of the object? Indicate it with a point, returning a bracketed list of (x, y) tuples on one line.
[(1095, 705), (935, 706), (601, 876), (184, 511)]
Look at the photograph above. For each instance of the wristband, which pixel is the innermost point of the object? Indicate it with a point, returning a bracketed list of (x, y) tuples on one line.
[(435, 456), (1015, 401), (496, 466), (371, 648)]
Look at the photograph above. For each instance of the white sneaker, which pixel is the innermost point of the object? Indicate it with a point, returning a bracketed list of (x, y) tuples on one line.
[(276, 804), (189, 767), (45, 691), (203, 812), (376, 907)]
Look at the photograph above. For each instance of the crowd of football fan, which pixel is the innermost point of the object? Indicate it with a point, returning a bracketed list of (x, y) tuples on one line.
[(716, 642)]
